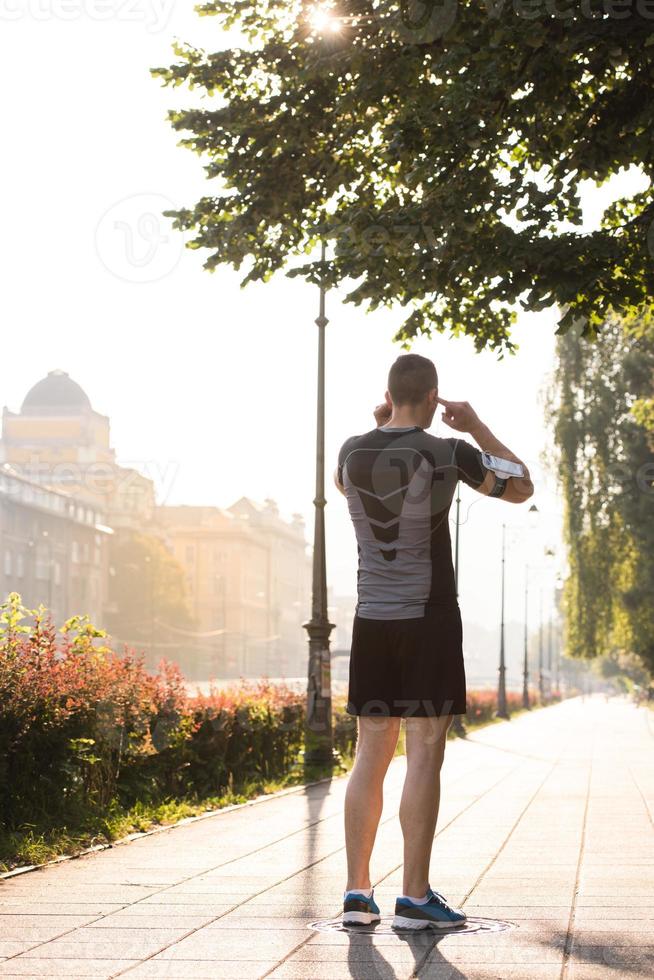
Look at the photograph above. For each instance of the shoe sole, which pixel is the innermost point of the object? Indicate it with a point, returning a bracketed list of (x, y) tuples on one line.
[(360, 918), (403, 922)]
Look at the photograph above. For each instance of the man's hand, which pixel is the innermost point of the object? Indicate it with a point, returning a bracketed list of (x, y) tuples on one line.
[(383, 414), (460, 416)]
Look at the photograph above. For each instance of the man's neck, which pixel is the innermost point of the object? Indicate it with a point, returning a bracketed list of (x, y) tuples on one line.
[(404, 418)]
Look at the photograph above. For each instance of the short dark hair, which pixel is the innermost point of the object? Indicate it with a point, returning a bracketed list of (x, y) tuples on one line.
[(410, 378)]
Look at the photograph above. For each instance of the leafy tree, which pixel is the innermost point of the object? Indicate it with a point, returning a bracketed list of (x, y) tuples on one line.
[(147, 593), (438, 145), (607, 475)]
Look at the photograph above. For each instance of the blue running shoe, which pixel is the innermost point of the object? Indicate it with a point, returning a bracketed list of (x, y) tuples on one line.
[(359, 910), (435, 914)]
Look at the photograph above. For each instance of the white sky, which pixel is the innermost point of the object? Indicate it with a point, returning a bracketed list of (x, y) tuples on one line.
[(210, 389)]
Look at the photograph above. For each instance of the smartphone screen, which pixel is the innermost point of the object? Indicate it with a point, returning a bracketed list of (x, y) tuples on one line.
[(503, 467)]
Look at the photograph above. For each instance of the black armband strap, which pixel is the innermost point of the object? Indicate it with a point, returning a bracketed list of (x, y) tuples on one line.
[(499, 488)]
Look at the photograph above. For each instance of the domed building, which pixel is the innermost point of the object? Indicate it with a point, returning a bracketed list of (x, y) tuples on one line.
[(58, 440), (57, 393)]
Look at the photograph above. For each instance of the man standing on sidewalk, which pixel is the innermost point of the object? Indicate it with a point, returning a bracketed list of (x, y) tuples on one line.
[(407, 653)]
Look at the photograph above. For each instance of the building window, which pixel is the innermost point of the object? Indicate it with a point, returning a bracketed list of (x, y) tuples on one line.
[(42, 570), (57, 573), (20, 564), (75, 553), (7, 562), (190, 554)]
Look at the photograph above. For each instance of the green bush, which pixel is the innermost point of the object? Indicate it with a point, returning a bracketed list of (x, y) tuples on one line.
[(83, 728)]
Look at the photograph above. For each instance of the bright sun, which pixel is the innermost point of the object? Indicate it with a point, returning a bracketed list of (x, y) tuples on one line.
[(323, 20)]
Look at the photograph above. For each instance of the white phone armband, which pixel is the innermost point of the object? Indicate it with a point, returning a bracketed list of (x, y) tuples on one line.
[(504, 468)]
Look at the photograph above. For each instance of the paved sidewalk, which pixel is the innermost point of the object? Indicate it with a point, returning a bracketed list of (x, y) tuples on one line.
[(546, 822)]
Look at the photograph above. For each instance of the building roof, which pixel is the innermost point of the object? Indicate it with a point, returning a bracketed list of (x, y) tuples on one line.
[(56, 394)]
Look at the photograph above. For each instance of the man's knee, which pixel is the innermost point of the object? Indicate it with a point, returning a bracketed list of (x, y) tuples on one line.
[(377, 736), (426, 739)]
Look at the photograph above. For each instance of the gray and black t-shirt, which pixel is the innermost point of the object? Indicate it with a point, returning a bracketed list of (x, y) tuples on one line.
[(399, 484)]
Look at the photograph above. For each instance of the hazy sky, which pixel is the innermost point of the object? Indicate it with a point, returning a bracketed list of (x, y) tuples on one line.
[(210, 389)]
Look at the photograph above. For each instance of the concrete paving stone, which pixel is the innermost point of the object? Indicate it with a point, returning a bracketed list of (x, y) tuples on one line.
[(86, 891), (58, 923), (636, 933), (479, 971), (379, 970), (227, 946), (208, 911), (590, 971), (190, 902), (614, 955), (129, 920), (123, 935), (12, 947), (198, 970), (68, 947), (46, 968), (216, 891), (403, 953), (233, 921), (546, 912), (616, 919), (38, 934), (57, 909), (423, 938), (515, 938), (489, 955), (615, 901), (254, 911)]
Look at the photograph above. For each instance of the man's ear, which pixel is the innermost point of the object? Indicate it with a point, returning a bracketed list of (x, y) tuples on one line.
[(432, 398), (388, 399)]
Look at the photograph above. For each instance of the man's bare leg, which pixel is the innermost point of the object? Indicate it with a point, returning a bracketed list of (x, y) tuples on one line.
[(425, 748), (376, 744)]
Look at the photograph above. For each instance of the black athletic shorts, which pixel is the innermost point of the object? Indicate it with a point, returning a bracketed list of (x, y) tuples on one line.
[(408, 667)]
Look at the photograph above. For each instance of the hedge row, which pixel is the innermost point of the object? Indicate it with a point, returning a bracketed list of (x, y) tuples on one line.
[(82, 726)]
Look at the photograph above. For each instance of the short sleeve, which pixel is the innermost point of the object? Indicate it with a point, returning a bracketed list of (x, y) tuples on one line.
[(342, 456), (469, 466)]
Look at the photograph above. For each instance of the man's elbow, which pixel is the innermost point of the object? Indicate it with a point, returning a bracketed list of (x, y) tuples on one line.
[(521, 490)]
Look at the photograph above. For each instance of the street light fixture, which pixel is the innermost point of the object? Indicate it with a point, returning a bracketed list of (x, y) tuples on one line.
[(319, 746), (525, 665), (502, 707)]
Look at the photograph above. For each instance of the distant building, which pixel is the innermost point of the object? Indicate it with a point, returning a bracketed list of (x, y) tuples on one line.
[(59, 441), (53, 548), (247, 569), (248, 576)]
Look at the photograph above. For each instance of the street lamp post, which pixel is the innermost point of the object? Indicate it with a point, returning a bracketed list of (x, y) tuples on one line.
[(525, 664), (502, 711), (319, 748)]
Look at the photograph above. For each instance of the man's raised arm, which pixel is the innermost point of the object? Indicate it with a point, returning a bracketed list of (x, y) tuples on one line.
[(462, 417)]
